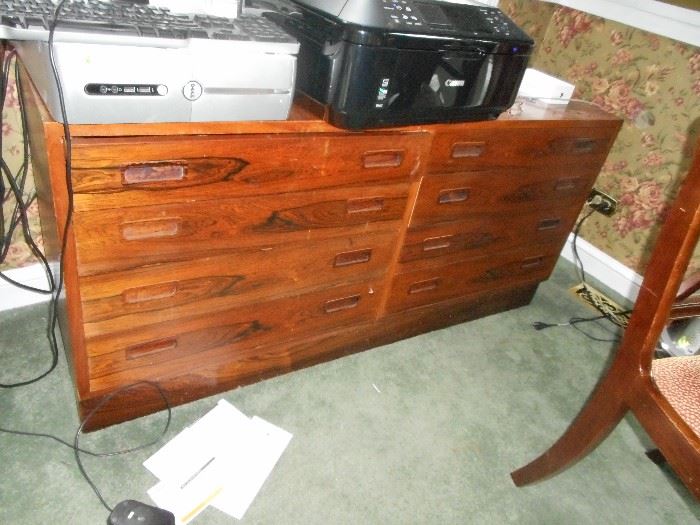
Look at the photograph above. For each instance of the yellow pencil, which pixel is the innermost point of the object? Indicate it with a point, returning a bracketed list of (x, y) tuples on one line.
[(191, 514)]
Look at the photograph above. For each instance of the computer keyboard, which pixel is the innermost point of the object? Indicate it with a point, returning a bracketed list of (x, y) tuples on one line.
[(119, 22)]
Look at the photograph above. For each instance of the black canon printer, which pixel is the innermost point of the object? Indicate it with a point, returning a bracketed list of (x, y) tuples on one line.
[(393, 62)]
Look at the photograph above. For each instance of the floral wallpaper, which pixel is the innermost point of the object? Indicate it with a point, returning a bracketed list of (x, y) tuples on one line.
[(533, 17), (653, 83), (19, 253)]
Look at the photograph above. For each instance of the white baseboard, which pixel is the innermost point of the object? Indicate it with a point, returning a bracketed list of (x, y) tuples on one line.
[(13, 297), (604, 268)]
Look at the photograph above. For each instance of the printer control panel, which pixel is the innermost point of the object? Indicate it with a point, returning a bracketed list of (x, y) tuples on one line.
[(498, 22), (407, 14), (402, 13)]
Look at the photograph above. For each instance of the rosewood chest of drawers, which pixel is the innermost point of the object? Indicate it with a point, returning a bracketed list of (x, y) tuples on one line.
[(205, 256)]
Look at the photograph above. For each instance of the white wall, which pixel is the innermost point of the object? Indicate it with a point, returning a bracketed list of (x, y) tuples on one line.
[(656, 17), (663, 19)]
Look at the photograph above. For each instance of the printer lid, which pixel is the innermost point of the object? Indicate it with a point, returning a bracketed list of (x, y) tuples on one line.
[(468, 18), (354, 10)]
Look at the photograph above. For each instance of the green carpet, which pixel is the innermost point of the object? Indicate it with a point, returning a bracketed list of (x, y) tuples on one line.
[(453, 412)]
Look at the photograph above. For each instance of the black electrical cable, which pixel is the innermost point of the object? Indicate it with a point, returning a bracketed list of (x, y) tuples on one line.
[(539, 325), (23, 286), (574, 321), (574, 245), (76, 447), (24, 172), (4, 80), (56, 292), (77, 450), (18, 216), (7, 193), (17, 182), (68, 149), (25, 433), (57, 287), (21, 205)]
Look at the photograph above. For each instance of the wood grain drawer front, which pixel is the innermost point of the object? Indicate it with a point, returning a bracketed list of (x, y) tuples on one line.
[(111, 173), (437, 283), (165, 292), (493, 145), (116, 239), (237, 334), (453, 196), (484, 234)]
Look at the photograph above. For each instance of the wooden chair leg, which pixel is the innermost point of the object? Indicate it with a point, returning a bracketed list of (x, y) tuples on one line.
[(656, 456), (601, 414)]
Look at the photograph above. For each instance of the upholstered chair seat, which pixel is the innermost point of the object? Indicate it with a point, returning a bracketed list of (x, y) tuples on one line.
[(678, 379)]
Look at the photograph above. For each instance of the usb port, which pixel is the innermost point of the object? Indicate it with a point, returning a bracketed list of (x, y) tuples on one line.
[(144, 89), (129, 89)]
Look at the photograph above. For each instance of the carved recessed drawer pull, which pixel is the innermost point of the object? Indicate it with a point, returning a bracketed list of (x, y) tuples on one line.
[(548, 224), (151, 229), (382, 159), (151, 347), (583, 145), (571, 183), (494, 273), (461, 150), (145, 173), (355, 257), (424, 286), (453, 195), (344, 303), (149, 293), (437, 243), (532, 262), (572, 146), (372, 204)]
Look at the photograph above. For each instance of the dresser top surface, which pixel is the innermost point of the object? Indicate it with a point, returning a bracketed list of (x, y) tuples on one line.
[(306, 116)]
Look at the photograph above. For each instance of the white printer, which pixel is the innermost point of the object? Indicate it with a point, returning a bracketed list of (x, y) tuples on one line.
[(129, 63)]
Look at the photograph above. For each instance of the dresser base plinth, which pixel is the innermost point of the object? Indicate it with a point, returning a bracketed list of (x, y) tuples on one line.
[(213, 378)]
